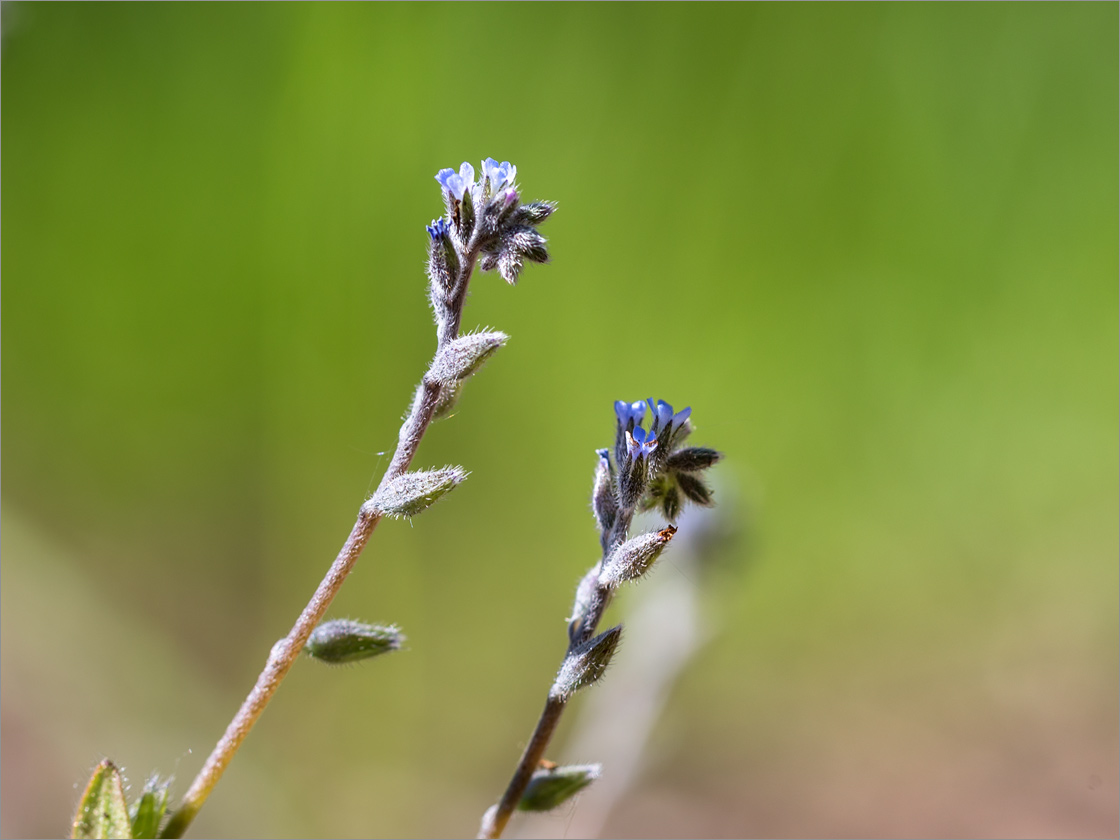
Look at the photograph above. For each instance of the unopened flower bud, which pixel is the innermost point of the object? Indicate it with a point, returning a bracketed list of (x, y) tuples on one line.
[(585, 598), (603, 501), (342, 640), (586, 664)]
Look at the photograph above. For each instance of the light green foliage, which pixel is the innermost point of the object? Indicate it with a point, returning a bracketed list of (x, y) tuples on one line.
[(342, 640), (148, 811), (551, 787), (102, 812)]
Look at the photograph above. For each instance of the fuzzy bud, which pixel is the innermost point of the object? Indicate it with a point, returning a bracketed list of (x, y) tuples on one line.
[(466, 216), (633, 477), (585, 598), (693, 459), (463, 356), (414, 492), (603, 501), (552, 786), (342, 640), (634, 557), (585, 664)]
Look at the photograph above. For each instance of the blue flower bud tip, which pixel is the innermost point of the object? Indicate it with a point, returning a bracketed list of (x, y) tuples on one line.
[(438, 229), (627, 411), (603, 454), (662, 413)]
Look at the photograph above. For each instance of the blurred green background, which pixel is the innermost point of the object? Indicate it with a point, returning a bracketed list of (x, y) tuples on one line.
[(874, 247)]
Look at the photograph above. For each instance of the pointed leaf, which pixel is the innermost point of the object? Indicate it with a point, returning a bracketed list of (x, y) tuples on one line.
[(415, 492), (464, 356), (148, 811), (551, 787), (695, 489), (634, 557), (586, 664), (102, 812), (342, 640)]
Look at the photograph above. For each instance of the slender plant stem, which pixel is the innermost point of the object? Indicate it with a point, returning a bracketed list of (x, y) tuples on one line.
[(530, 760), (494, 825), (285, 652)]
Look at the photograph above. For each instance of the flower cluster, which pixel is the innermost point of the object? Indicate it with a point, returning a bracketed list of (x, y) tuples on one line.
[(486, 219), (485, 223), (650, 468)]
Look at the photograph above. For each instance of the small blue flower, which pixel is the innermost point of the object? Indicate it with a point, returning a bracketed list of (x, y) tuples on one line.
[(639, 444), (629, 411), (456, 183), (498, 174), (438, 229), (604, 455), (665, 422)]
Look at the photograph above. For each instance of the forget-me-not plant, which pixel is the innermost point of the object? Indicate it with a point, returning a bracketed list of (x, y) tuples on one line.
[(650, 469), (485, 225)]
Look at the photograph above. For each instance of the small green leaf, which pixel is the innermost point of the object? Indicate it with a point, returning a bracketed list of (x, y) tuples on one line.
[(147, 811), (102, 812), (342, 640), (553, 786)]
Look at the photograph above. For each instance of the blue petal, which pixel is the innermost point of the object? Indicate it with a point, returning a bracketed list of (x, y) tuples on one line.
[(682, 415), (443, 175)]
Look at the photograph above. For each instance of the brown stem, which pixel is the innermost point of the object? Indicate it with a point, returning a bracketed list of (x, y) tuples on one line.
[(493, 826), (284, 653)]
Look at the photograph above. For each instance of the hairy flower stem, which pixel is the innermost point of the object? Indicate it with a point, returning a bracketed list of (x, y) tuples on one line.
[(493, 825), (285, 652)]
